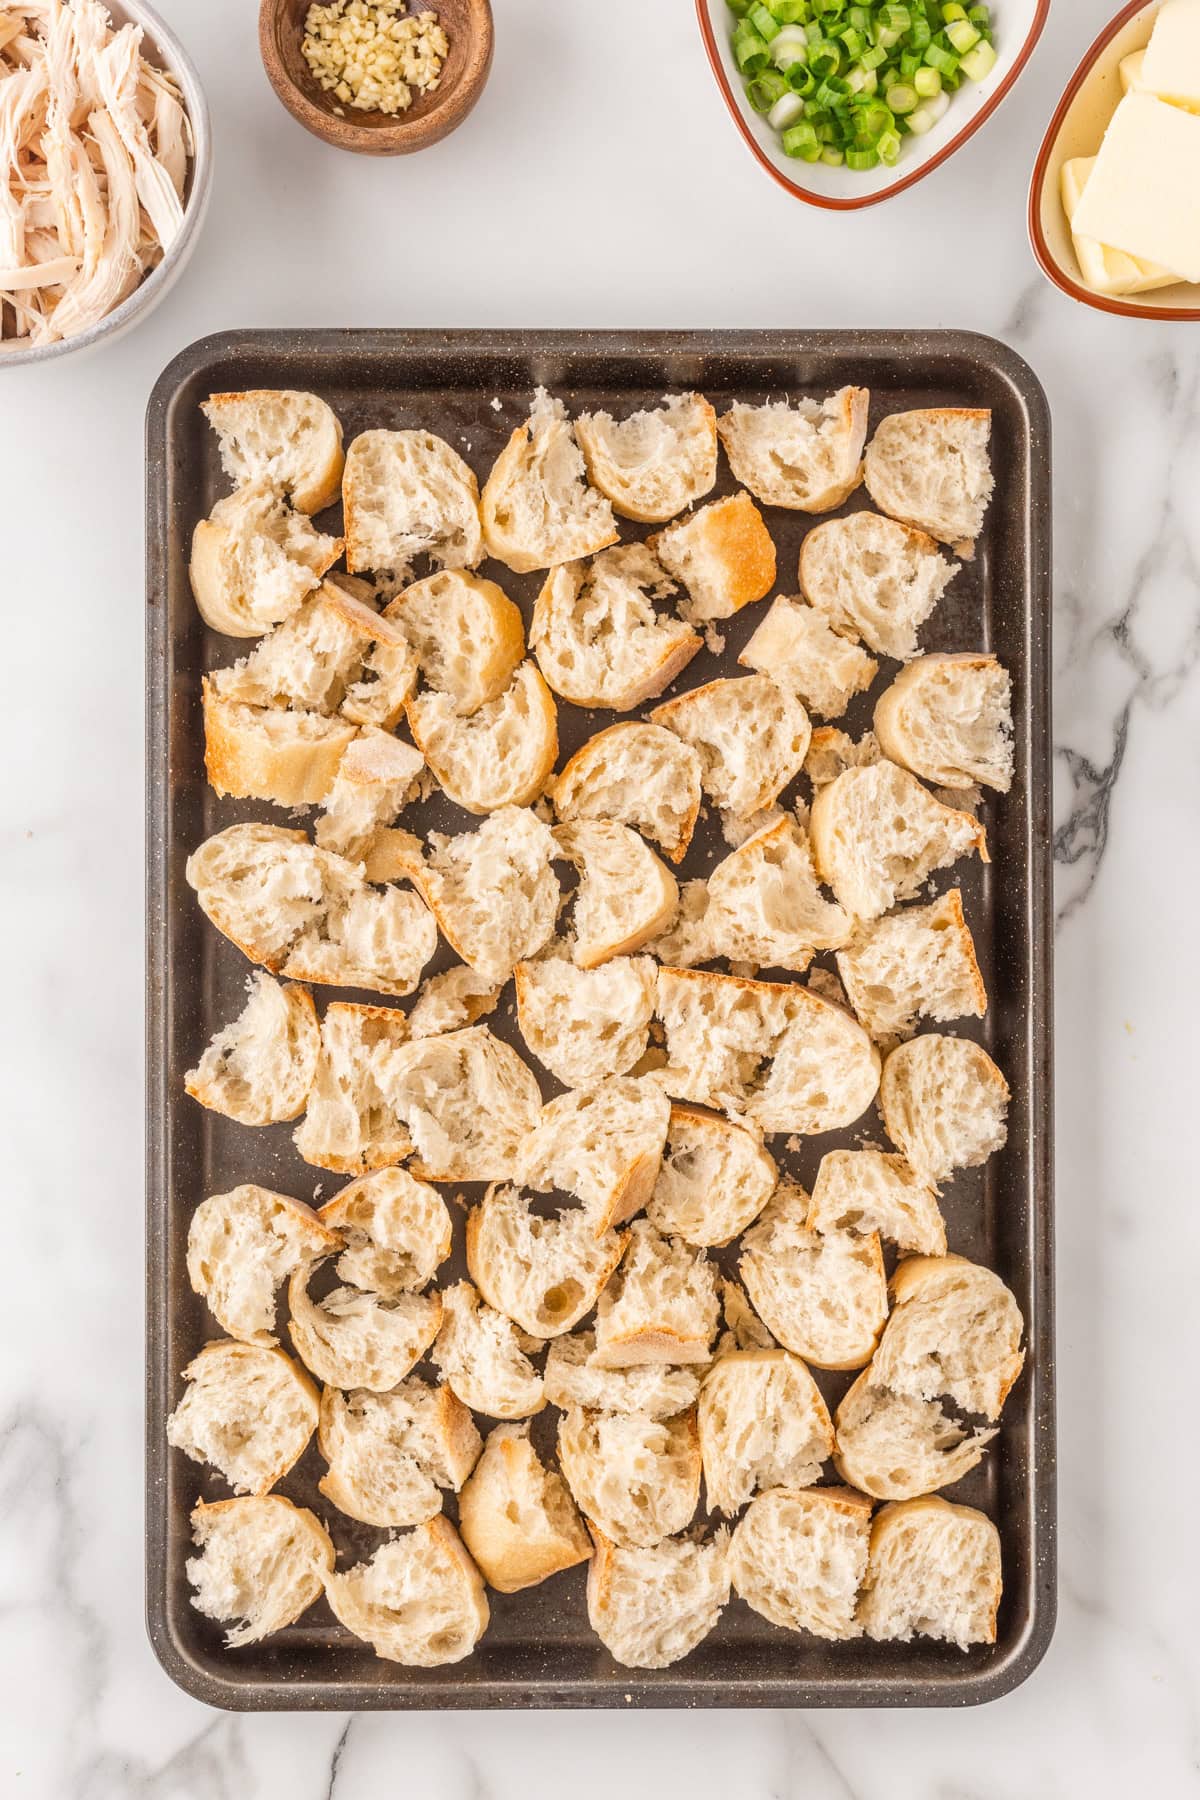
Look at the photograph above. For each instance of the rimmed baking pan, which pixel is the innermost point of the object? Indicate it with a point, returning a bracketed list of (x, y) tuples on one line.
[(472, 388)]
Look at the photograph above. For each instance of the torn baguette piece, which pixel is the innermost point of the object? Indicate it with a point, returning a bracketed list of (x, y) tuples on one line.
[(241, 1248), (288, 439), (451, 1000), (897, 1446), (596, 635), (626, 895), (955, 1330), (537, 509), (493, 891), (419, 1600), (271, 753), (652, 1606), (405, 493), (871, 1190), (517, 1517), (604, 1144), (796, 646), (877, 834), (661, 1307), (254, 560), (312, 659), (376, 778), (467, 635), (502, 755), (930, 469), (949, 720), (714, 1180), (874, 579), (543, 1273), (574, 1378), (468, 1102), (585, 1025), (803, 454), (656, 462), (351, 1125), (763, 905), (723, 555), (395, 1232), (944, 1104), (391, 1454), (260, 1068), (637, 1478), (933, 1571), (355, 1339), (763, 1424), (916, 963), (248, 1411), (775, 1052), (832, 751), (823, 1295), (262, 1563), (483, 1357), (799, 1556), (638, 774), (751, 737)]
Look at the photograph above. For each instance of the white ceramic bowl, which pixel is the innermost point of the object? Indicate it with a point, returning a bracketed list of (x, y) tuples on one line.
[(163, 48), (1018, 26)]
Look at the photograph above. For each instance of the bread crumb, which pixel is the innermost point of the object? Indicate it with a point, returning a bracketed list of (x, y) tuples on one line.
[(495, 403), (713, 640), (318, 1191), (793, 1145)]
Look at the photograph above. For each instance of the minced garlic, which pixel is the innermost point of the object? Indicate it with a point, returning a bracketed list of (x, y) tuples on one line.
[(371, 54)]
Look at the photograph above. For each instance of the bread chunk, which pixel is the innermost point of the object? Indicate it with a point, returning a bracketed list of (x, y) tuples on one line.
[(723, 555), (654, 463), (597, 637), (626, 895), (260, 1069), (870, 1190), (467, 1100), (930, 468), (639, 774), (823, 1295), (356, 1339), (651, 1607), (395, 1230), (896, 1446), (763, 1424), (638, 1478), (944, 1103), (241, 1248), (955, 1330), (933, 1571), (537, 509), (451, 1000), (517, 1517), (351, 1125), (751, 737), (466, 634), (803, 454), (405, 493), (714, 1180), (916, 963), (502, 755), (661, 1308), (604, 1144), (949, 720), (254, 560), (493, 890), (376, 778), (586, 1024), (483, 1359), (391, 1454), (262, 1563), (796, 646), (543, 1273), (419, 1600), (877, 834), (290, 440), (247, 1410), (799, 1557), (574, 1378), (874, 580)]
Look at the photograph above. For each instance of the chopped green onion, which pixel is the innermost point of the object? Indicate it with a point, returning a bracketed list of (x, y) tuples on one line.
[(833, 156), (739, 7), (765, 90), (861, 159), (786, 110), (980, 16), (902, 98), (888, 146), (951, 11), (853, 42), (789, 12), (944, 61), (801, 140), (979, 62), (874, 58), (750, 53), (909, 63), (921, 121), (825, 57), (962, 36), (763, 21), (927, 83)]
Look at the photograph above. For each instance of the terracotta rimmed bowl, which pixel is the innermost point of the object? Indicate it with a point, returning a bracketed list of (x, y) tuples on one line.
[(844, 190), (1076, 129), (468, 26)]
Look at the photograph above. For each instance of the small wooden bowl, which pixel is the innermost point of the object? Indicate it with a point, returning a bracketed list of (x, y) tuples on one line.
[(468, 26)]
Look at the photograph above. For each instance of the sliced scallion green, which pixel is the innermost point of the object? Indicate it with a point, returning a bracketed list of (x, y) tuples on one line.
[(763, 21), (927, 83), (862, 159), (978, 63)]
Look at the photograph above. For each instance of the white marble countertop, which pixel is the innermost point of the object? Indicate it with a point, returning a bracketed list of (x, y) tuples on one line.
[(653, 216)]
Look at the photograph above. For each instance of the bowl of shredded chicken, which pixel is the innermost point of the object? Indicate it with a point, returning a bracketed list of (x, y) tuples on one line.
[(104, 171)]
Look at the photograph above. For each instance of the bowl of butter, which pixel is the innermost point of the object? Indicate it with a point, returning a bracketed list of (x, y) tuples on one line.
[(1114, 206)]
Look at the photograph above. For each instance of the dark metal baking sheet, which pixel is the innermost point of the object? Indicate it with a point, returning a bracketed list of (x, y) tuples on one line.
[(539, 1650)]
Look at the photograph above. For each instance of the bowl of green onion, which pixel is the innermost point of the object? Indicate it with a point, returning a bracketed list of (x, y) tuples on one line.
[(846, 104)]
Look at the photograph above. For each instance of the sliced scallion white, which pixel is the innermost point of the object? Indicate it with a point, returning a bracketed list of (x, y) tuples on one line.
[(785, 112)]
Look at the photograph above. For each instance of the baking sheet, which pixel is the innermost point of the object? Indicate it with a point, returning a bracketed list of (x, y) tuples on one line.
[(539, 1650)]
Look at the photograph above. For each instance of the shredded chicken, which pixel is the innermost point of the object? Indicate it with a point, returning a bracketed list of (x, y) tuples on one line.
[(94, 151)]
